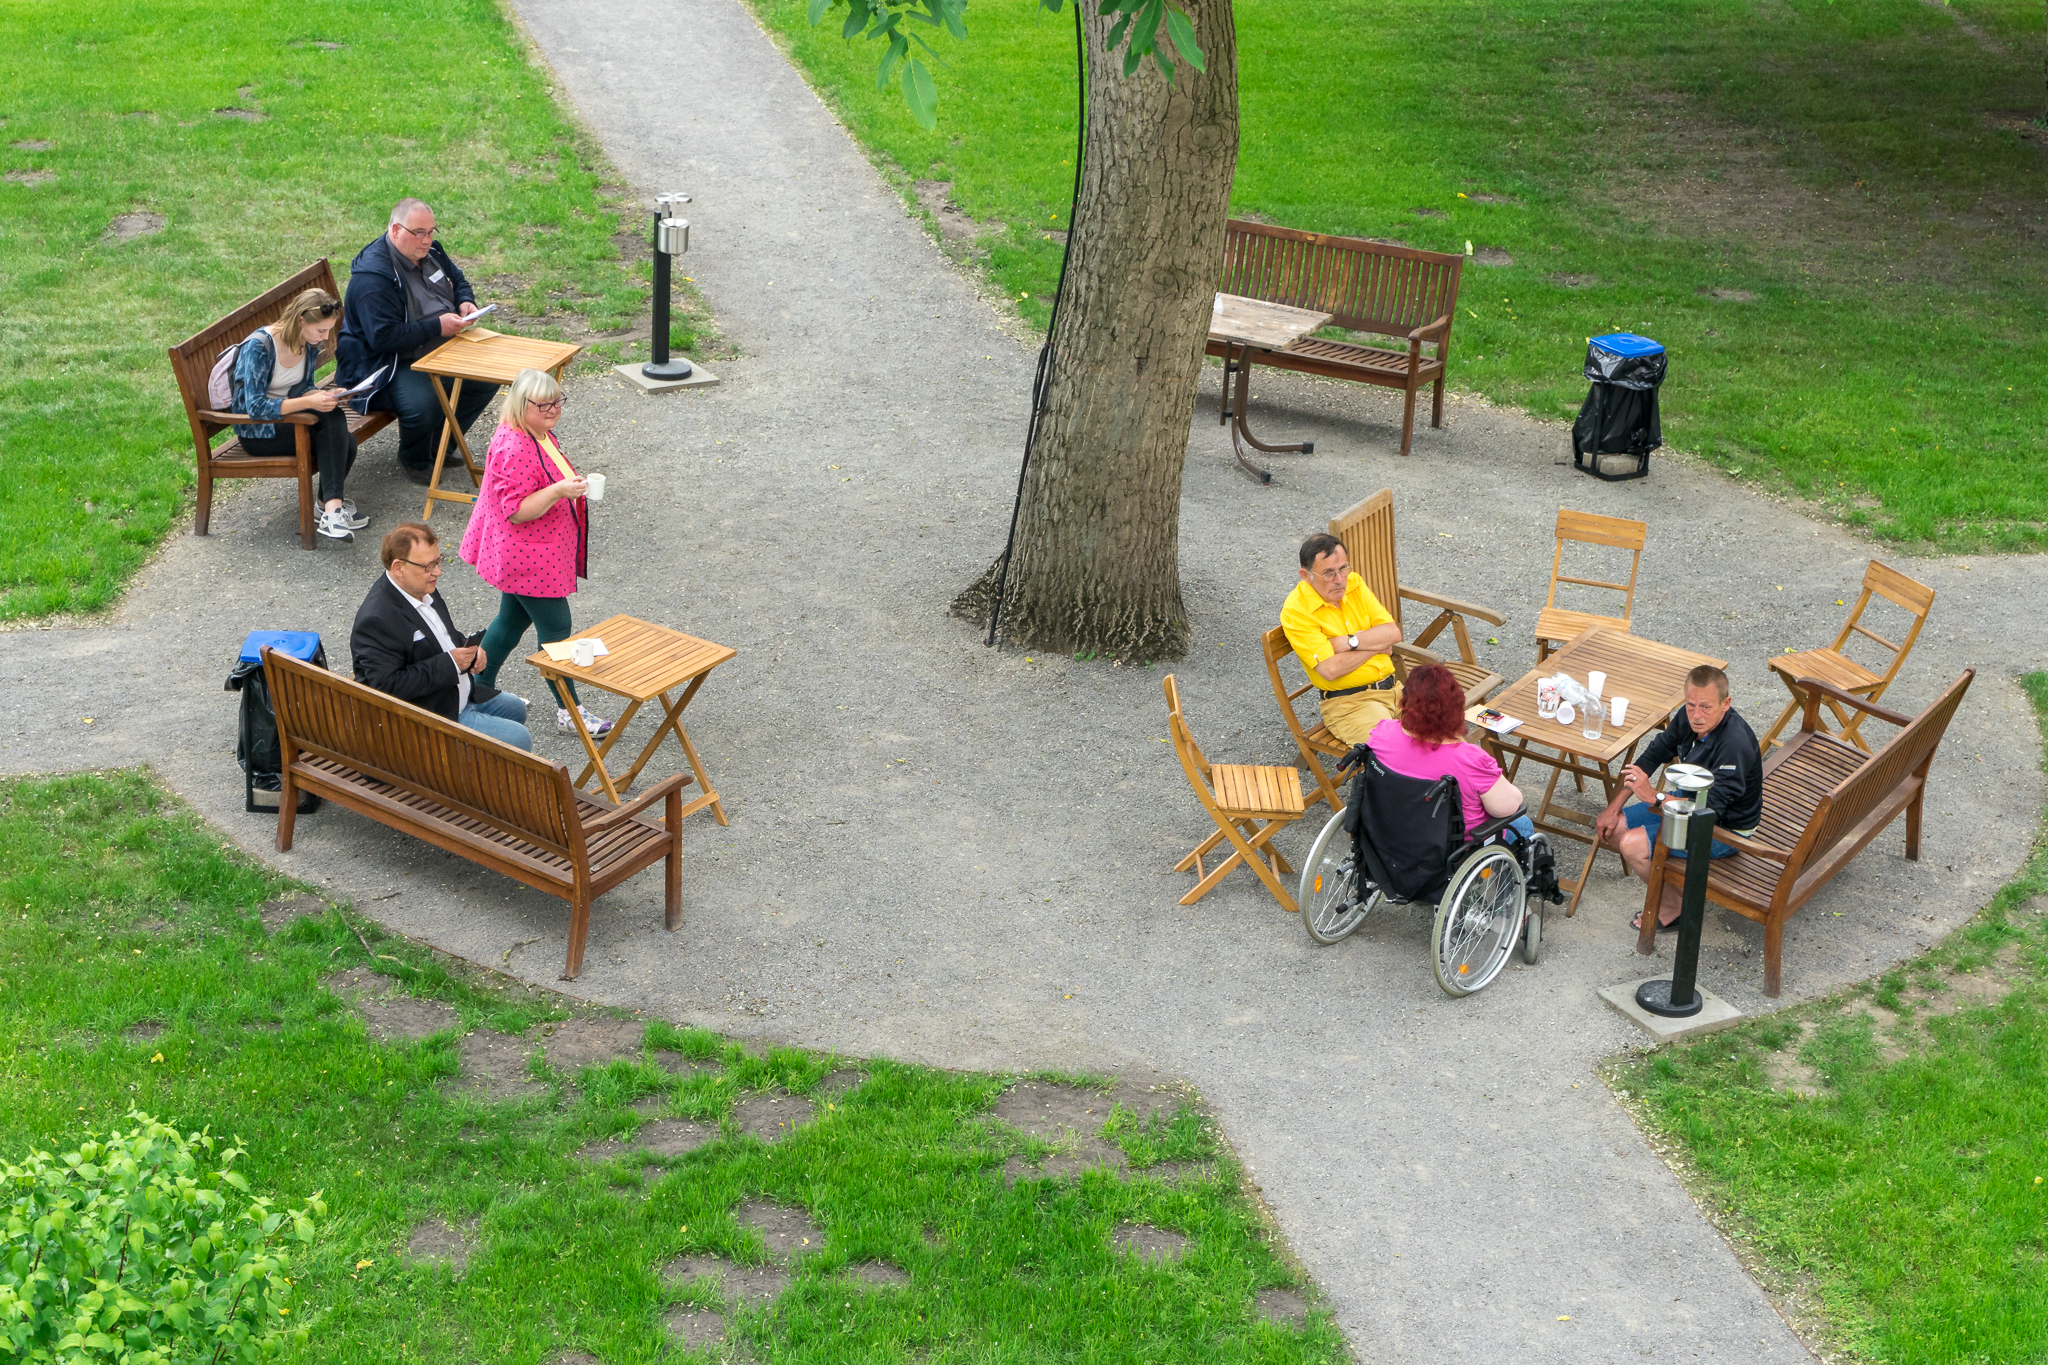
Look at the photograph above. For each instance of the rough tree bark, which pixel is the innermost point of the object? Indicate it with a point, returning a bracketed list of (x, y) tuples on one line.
[(1097, 559)]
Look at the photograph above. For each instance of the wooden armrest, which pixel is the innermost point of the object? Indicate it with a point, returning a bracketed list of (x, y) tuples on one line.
[(1736, 841), (1432, 330), (243, 419), (1815, 689), (639, 803), (1412, 656), (1452, 604)]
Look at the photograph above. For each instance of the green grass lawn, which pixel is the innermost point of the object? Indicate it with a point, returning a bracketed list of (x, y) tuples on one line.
[(1885, 1152), (113, 109), (1851, 180), (119, 909)]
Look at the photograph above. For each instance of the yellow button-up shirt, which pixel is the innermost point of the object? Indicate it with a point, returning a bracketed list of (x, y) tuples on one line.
[(1310, 622)]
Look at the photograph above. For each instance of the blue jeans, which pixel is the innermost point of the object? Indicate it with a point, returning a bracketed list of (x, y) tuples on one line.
[(503, 718), (1640, 816), (420, 418)]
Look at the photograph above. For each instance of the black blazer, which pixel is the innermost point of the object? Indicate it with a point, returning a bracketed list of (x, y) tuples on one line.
[(395, 653)]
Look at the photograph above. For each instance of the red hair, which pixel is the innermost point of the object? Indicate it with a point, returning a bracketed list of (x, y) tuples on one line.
[(1433, 705)]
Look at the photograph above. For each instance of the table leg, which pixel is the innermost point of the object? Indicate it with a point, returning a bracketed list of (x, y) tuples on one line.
[(448, 424), (707, 794), (589, 745), (604, 749), (1241, 432)]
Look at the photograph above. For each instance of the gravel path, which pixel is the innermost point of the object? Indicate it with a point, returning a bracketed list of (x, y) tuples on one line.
[(957, 856)]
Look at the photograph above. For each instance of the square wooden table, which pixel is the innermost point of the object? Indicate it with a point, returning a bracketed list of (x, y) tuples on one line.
[(643, 661), (492, 359), (1650, 675), (1245, 325)]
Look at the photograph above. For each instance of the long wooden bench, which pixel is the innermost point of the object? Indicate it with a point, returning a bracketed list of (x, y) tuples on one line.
[(1393, 291), (467, 793), (192, 361), (1823, 801)]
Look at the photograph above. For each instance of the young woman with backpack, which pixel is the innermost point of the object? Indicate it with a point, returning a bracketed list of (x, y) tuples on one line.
[(273, 378)]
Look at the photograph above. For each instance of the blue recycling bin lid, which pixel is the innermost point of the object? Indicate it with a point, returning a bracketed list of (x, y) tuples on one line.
[(299, 644), (1628, 344)]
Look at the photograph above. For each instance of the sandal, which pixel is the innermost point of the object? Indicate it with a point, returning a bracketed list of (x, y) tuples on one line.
[(1662, 928)]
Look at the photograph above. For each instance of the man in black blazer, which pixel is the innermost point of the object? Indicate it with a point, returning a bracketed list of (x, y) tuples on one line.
[(405, 643)]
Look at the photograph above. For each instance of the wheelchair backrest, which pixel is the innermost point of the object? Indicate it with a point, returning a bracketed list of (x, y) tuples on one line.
[(1404, 829)]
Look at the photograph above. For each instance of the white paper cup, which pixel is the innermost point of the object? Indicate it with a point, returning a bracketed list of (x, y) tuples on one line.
[(1619, 708), (1595, 681), (596, 490), (583, 653)]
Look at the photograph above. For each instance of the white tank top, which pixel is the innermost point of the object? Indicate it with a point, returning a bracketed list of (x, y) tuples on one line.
[(282, 379)]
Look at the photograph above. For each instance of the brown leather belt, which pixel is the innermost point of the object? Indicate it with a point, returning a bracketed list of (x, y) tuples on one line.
[(1381, 686)]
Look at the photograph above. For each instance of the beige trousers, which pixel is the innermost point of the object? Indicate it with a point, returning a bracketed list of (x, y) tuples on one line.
[(1351, 718)]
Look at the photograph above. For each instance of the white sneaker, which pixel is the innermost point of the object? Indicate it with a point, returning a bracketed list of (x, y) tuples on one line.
[(356, 521), (598, 726), (333, 525)]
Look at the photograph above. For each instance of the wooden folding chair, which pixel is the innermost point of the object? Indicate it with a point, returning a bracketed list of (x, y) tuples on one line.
[(1237, 798), (1837, 669), (1555, 626), (1367, 531), (1315, 743)]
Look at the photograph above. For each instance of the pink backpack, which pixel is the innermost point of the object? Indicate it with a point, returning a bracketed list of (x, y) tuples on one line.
[(220, 382)]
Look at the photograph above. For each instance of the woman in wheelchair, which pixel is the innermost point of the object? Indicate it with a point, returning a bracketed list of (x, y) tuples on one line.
[(1403, 838)]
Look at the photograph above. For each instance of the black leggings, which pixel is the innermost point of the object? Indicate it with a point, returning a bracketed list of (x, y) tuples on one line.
[(334, 450)]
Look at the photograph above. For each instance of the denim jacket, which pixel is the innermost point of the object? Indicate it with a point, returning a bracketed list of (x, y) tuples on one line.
[(254, 365)]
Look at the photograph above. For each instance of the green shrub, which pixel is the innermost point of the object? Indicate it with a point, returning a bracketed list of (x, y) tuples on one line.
[(145, 1249)]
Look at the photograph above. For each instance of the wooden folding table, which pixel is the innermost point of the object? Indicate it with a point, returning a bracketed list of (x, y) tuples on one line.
[(1245, 325), (645, 661), (1650, 675), (492, 358)]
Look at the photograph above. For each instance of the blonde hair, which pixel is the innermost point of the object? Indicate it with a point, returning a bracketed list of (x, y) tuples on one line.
[(531, 386), (309, 305)]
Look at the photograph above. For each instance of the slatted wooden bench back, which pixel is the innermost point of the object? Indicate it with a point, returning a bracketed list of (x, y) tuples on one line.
[(494, 789), (1365, 286), (1908, 755), (192, 359)]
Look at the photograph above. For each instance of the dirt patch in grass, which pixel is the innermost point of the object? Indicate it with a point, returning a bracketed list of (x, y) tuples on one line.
[(661, 1137), (357, 982), (772, 1117), (695, 1328), (1492, 255), (242, 115), (1087, 1154), (1577, 281), (880, 1274), (737, 1285), (574, 1358), (35, 145), (284, 910), (957, 231), (1728, 295), (578, 1043), (494, 1067), (1071, 1117), (838, 1083), (1281, 1306), (143, 1031), (1429, 213), (676, 1064), (1786, 1072), (128, 226), (1507, 199), (785, 1230), (406, 1019), (436, 1242), (30, 178), (1149, 1243)]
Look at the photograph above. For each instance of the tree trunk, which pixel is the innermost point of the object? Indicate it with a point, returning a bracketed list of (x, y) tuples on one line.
[(1097, 560)]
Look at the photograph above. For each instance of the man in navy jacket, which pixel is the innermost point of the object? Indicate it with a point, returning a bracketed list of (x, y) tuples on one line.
[(405, 297)]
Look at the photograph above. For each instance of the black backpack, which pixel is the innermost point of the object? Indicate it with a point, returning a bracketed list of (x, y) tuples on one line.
[(1403, 829)]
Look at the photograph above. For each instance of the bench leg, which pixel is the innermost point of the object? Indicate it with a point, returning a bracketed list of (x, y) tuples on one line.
[(579, 926), (1436, 416), (1408, 420), (1913, 823), (302, 437), (672, 890), (1774, 948), (202, 513), (287, 807)]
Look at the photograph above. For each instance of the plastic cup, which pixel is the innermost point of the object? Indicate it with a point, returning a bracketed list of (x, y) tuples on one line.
[(583, 654), (596, 490), (1619, 706), (1595, 681), (1546, 698)]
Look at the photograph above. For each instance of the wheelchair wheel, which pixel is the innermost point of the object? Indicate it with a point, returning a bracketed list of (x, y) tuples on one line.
[(1331, 906), (1478, 920), (1532, 939)]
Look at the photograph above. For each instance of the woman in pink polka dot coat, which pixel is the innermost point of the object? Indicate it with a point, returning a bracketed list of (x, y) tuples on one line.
[(529, 532)]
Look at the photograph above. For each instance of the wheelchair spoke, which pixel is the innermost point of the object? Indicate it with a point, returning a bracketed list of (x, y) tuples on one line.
[(1478, 921), (1332, 903)]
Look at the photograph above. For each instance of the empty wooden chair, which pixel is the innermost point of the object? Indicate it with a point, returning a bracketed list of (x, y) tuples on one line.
[(1315, 742), (1367, 531), (1554, 626), (1249, 805), (1837, 669)]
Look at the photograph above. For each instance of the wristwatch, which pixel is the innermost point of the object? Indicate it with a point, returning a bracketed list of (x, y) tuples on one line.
[(1354, 639)]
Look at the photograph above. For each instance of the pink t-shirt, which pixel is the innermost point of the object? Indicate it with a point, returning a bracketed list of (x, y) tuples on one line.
[(1471, 765)]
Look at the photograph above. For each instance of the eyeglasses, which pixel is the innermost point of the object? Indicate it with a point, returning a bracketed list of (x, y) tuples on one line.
[(1336, 575), (430, 566), (424, 234), (552, 405)]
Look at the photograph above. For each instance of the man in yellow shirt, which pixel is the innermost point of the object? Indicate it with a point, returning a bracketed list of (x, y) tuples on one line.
[(1341, 634)]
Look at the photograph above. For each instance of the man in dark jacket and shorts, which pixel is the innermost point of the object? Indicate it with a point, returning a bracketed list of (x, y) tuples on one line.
[(1710, 734), (405, 297)]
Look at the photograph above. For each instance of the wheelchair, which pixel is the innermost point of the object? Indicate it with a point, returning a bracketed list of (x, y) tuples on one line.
[(1401, 841)]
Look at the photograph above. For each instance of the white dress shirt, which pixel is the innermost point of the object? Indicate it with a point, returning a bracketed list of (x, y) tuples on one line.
[(425, 607)]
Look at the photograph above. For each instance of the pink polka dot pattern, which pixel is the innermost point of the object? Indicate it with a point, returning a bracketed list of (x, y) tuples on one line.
[(540, 558)]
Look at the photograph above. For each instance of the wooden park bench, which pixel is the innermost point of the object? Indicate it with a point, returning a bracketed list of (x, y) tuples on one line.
[(1393, 291), (1823, 801), (192, 361), (467, 793)]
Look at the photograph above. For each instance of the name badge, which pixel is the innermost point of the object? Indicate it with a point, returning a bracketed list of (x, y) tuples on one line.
[(436, 277)]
